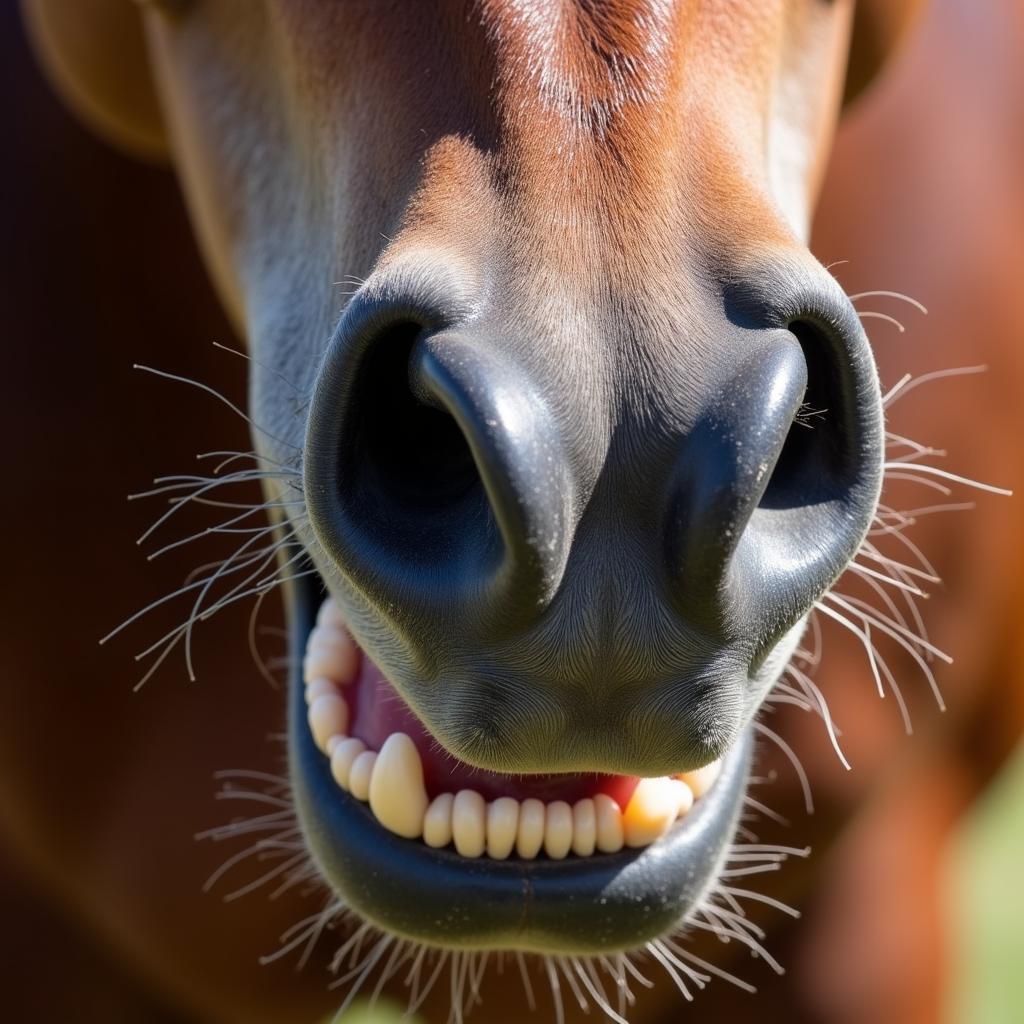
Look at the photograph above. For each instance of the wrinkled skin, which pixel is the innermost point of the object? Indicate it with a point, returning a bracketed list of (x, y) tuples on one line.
[(869, 282)]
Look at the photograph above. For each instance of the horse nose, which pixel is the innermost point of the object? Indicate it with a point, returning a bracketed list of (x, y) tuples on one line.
[(435, 478), (774, 488)]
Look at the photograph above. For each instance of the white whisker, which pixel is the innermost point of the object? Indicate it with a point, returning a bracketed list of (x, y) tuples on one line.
[(889, 295), (871, 315)]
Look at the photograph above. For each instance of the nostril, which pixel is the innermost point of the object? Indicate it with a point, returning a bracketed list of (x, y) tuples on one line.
[(819, 444), (434, 475), (824, 486), (395, 494), (727, 464), (408, 460), (776, 484)]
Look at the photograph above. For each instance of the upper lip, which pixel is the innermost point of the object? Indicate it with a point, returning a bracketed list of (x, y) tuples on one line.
[(592, 905)]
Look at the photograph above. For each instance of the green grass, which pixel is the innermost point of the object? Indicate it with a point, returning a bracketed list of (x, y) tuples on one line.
[(987, 894), (384, 1012)]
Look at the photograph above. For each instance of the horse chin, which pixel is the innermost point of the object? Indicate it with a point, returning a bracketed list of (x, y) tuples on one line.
[(596, 904)]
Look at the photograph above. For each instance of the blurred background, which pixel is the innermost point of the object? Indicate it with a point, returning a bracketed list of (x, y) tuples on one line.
[(913, 906)]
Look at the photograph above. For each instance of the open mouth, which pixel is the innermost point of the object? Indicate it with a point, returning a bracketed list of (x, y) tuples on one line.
[(433, 849), (547, 610)]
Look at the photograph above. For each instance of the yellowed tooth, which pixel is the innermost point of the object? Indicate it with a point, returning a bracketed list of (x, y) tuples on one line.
[(610, 838), (584, 827), (700, 780), (530, 831), (558, 830), (320, 687), (469, 823), (398, 797), (437, 822), (502, 826), (361, 775), (343, 755), (684, 797), (332, 653), (328, 716), (650, 812)]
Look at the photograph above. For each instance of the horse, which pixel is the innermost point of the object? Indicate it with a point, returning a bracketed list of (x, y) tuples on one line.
[(576, 570)]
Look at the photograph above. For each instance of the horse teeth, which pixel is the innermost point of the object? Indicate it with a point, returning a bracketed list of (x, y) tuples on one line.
[(469, 827), (530, 832), (321, 686), (330, 615), (398, 797), (558, 830), (683, 795), (502, 825), (650, 812), (584, 827), (437, 822), (702, 779), (330, 652), (360, 777), (610, 837), (328, 717), (343, 756), (392, 781)]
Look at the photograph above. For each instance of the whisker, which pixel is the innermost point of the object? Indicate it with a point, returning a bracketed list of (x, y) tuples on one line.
[(248, 357), (710, 968), (223, 528), (227, 568), (862, 609), (675, 975), (221, 398), (863, 570), (798, 767), (527, 986), (876, 293), (758, 897), (956, 478), (871, 315), (877, 663), (556, 990), (581, 999), (822, 705), (908, 382), (177, 506)]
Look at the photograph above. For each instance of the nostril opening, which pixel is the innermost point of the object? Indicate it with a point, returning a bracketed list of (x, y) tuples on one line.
[(409, 462), (433, 476), (814, 456)]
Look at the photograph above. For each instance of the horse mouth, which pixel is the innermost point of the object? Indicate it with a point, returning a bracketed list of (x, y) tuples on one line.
[(429, 848)]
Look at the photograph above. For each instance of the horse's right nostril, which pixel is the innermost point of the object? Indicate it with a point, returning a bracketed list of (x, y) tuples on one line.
[(434, 476)]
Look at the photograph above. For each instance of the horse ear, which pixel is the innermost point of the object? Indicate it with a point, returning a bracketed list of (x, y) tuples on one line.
[(94, 53), (880, 27)]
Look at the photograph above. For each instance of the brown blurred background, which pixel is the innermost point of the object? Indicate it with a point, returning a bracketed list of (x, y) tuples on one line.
[(101, 789)]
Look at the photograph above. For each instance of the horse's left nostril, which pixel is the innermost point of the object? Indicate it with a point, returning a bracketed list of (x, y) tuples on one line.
[(776, 484), (434, 474), (727, 463)]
